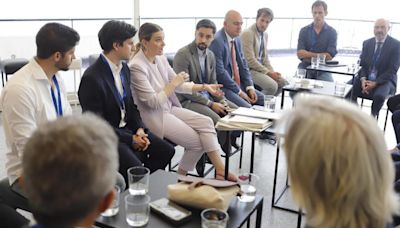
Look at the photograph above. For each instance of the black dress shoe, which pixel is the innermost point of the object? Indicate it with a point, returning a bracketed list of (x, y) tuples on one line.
[(200, 166), (269, 137)]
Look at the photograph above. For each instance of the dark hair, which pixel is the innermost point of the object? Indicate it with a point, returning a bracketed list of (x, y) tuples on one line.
[(145, 33), (265, 12), (55, 37), (115, 31), (206, 23), (320, 3)]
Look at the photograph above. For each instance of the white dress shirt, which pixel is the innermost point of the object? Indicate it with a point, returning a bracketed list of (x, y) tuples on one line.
[(26, 103), (116, 71)]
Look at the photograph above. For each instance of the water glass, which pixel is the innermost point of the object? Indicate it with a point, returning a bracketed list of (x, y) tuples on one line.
[(114, 207), (248, 188), (138, 178), (321, 59), (269, 103), (314, 62), (214, 218), (301, 73), (340, 88), (137, 210)]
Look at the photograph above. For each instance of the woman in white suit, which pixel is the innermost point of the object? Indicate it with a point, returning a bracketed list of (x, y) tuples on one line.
[(153, 84)]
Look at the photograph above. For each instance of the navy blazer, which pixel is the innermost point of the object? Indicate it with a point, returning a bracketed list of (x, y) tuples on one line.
[(221, 50), (387, 64), (98, 93)]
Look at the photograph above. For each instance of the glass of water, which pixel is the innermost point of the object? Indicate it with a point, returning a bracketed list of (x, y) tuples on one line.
[(248, 182), (114, 207), (137, 210), (138, 178), (213, 218), (314, 62), (269, 103)]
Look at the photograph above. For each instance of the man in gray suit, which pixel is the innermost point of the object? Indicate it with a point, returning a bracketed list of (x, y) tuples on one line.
[(199, 62), (254, 41)]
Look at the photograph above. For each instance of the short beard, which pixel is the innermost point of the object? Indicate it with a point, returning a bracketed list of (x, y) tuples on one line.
[(202, 47)]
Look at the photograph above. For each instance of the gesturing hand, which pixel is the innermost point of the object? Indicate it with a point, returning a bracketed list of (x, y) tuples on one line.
[(214, 89)]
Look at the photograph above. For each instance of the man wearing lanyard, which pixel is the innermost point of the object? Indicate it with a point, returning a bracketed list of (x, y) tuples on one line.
[(380, 60), (317, 38), (105, 90), (33, 96)]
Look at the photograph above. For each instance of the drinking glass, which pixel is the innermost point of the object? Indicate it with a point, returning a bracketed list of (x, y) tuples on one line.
[(214, 218), (138, 178), (248, 188), (314, 62), (269, 103), (137, 210), (114, 207)]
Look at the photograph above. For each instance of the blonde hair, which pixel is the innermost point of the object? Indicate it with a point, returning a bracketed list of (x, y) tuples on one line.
[(340, 171)]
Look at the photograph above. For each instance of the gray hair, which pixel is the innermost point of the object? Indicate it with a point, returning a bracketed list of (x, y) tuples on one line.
[(69, 166), (340, 171)]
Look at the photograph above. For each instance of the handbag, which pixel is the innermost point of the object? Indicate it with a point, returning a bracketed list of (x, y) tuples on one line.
[(203, 193)]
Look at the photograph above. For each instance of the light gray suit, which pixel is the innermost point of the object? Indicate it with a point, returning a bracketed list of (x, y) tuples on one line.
[(187, 60), (251, 48)]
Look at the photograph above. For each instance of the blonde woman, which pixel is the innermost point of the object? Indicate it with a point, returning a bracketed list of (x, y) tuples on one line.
[(153, 84), (340, 172)]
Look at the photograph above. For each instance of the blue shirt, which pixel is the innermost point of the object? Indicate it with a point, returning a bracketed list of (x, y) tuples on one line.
[(309, 40)]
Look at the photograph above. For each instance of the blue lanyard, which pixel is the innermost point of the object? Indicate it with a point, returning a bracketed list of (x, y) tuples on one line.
[(57, 102), (122, 76)]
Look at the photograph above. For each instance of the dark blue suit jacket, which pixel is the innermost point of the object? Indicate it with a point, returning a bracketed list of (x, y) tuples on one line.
[(220, 47), (387, 64), (98, 93)]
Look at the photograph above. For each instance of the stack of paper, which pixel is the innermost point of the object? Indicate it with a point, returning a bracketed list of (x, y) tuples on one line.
[(238, 122), (256, 113)]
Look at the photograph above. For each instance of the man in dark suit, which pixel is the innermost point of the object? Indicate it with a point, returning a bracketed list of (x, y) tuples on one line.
[(231, 66), (105, 90), (380, 60)]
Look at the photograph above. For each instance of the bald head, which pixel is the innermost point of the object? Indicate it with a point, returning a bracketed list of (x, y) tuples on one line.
[(381, 28), (233, 23)]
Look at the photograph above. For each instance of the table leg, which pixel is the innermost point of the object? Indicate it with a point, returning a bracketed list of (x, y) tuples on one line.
[(275, 172), (227, 149), (259, 214), (253, 137), (283, 98)]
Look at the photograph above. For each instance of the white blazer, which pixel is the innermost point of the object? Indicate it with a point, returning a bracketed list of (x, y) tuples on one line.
[(148, 90)]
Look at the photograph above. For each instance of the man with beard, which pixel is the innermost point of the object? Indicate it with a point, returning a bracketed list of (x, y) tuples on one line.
[(199, 62), (254, 40), (35, 95), (380, 60)]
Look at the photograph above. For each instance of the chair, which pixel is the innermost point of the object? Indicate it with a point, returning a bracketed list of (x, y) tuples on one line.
[(11, 198), (387, 110), (10, 66), (170, 58)]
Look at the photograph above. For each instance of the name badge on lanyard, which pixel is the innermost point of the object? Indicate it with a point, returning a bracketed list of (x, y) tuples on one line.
[(118, 94), (56, 101)]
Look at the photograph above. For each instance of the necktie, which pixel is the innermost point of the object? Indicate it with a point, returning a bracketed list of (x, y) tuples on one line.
[(377, 52), (235, 69), (373, 73), (260, 52)]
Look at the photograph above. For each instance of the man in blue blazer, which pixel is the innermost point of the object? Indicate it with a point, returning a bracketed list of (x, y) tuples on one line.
[(232, 70), (380, 60), (105, 90)]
